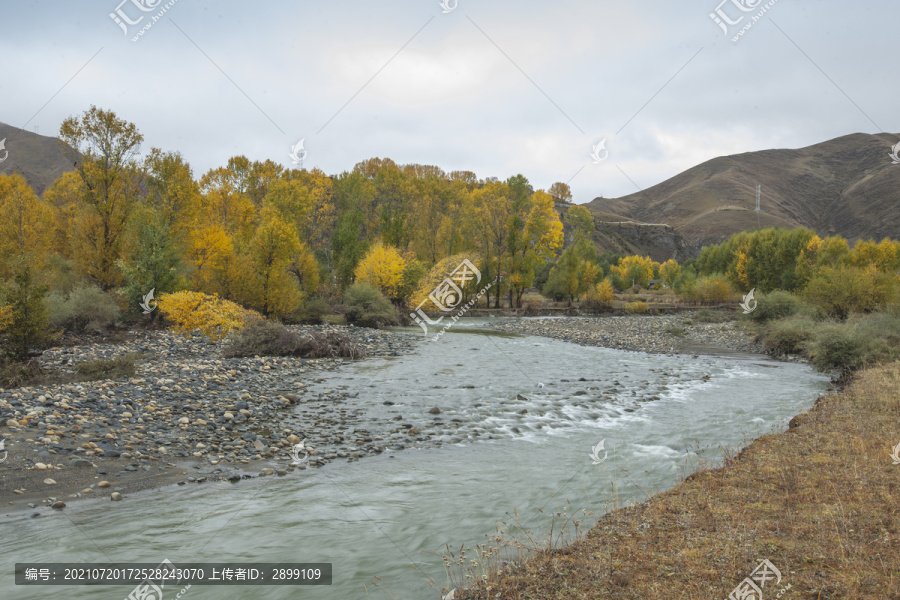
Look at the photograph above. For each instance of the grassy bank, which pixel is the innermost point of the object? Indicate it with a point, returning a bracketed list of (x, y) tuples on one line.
[(821, 501)]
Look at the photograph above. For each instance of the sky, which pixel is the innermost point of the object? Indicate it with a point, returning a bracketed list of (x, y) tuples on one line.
[(608, 96)]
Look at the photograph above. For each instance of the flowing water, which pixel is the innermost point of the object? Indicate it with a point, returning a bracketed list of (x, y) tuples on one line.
[(519, 419)]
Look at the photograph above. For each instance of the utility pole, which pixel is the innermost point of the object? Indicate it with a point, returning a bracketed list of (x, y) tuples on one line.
[(757, 205)]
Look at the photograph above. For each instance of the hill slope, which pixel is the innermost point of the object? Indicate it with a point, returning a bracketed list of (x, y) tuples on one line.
[(845, 186), (37, 158)]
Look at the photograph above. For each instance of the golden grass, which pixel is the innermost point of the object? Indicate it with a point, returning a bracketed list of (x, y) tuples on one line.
[(821, 501)]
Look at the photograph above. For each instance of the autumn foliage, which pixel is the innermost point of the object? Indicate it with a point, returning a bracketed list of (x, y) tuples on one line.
[(209, 315)]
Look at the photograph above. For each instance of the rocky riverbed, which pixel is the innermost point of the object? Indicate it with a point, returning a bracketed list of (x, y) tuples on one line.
[(187, 416), (190, 416), (666, 334)]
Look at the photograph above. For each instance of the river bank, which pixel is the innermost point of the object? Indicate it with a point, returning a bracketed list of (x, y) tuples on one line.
[(191, 416), (665, 334), (819, 502), (188, 416)]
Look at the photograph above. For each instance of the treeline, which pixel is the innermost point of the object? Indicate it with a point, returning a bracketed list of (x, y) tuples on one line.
[(827, 272), (295, 244), (283, 242)]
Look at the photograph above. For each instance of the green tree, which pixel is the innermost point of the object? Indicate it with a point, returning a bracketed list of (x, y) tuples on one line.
[(153, 259), (24, 293)]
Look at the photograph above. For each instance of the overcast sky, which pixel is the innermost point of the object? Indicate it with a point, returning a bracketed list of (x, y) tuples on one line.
[(495, 87)]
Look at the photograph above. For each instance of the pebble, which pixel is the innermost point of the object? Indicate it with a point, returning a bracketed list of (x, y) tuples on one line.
[(115, 496), (640, 334)]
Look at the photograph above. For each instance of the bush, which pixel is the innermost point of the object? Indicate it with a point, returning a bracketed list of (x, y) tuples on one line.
[(114, 368), (704, 315), (367, 307), (775, 305), (268, 338), (635, 308), (85, 308), (788, 336), (210, 315), (714, 289), (312, 311), (839, 346), (600, 296)]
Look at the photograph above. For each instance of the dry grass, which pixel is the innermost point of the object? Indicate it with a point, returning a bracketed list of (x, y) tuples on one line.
[(820, 501)]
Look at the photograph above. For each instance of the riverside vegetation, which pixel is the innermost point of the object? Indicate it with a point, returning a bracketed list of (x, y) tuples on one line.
[(244, 255)]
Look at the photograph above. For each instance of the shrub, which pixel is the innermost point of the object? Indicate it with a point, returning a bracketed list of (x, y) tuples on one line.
[(788, 336), (713, 289), (114, 368), (600, 296), (635, 308), (839, 346), (14, 374), (366, 306), (210, 315), (85, 308), (312, 310), (775, 305), (268, 338), (704, 315)]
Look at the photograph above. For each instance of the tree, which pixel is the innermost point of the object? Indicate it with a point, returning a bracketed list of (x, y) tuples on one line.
[(272, 249), (842, 290), (533, 240), (571, 276), (601, 295), (580, 222), (493, 207), (636, 270), (561, 192), (64, 196), (24, 293), (669, 272), (105, 149), (24, 220), (383, 268), (152, 260)]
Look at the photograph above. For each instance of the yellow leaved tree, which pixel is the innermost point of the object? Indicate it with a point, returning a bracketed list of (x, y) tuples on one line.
[(382, 267), (636, 270), (669, 272), (24, 220)]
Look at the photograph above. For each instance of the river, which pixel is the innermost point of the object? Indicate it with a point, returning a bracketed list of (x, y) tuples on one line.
[(519, 418)]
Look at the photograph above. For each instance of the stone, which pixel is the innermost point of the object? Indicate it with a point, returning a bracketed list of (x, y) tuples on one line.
[(49, 481), (115, 496), (435, 411), (104, 484), (80, 462), (59, 504)]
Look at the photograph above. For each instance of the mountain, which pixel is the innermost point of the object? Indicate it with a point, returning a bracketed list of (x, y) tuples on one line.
[(37, 158), (847, 186), (621, 235)]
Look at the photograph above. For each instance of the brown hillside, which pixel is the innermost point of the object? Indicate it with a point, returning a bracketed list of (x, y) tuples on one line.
[(847, 186), (37, 158)]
